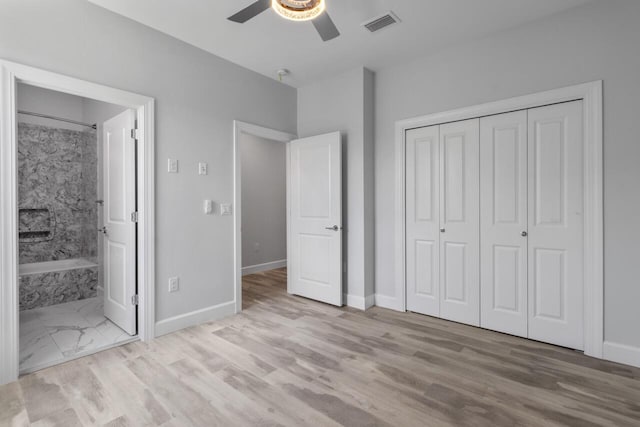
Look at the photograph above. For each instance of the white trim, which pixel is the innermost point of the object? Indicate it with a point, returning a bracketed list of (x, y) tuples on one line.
[(258, 268), (591, 94), (356, 301), (194, 318), (621, 353), (385, 301), (239, 128), (10, 74)]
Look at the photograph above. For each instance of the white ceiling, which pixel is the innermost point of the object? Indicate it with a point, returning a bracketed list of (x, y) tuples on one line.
[(267, 42)]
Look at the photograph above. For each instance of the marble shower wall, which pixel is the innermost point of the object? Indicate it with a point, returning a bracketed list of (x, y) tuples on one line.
[(57, 190)]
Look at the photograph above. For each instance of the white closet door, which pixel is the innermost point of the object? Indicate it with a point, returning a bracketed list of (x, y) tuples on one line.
[(556, 224), (503, 219), (460, 222), (422, 220)]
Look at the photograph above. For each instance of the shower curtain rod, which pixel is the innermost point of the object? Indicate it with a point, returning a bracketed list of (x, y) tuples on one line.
[(45, 116)]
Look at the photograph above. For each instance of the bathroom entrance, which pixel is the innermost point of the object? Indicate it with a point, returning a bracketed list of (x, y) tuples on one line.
[(76, 226)]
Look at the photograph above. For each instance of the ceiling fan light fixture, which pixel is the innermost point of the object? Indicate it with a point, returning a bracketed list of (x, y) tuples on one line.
[(299, 10)]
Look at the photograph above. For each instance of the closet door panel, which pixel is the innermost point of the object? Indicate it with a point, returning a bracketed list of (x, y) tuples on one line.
[(503, 221), (422, 220), (556, 208), (459, 222)]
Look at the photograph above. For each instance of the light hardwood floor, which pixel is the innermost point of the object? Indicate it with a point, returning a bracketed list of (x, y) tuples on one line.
[(294, 362)]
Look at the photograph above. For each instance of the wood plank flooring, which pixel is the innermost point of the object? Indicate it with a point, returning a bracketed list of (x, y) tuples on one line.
[(293, 362)]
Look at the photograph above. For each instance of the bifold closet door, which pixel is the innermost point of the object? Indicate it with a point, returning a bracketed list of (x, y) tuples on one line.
[(556, 208), (503, 222), (422, 220), (460, 222)]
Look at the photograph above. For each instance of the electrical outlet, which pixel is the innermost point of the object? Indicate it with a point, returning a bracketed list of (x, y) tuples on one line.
[(174, 284), (256, 247)]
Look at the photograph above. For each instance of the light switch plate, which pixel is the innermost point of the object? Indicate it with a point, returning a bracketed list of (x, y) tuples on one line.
[(208, 207), (225, 209), (172, 166), (174, 284), (203, 168)]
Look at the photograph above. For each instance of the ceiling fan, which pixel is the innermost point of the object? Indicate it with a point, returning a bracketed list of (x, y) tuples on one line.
[(295, 10)]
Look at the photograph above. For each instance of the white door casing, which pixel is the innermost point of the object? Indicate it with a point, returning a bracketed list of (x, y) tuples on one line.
[(503, 222), (556, 211), (423, 220), (120, 230), (460, 222), (315, 256)]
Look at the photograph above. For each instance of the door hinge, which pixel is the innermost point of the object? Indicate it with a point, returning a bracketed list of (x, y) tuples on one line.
[(134, 299), (134, 134), (134, 217)]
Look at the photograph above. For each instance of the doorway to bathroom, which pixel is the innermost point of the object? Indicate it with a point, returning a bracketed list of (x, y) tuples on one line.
[(76, 238), (76, 219)]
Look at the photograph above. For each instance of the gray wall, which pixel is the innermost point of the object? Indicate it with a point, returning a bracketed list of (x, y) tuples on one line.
[(264, 200), (43, 101), (596, 41), (198, 96), (337, 104)]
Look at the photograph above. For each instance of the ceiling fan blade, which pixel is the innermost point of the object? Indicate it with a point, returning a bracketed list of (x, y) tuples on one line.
[(250, 11), (325, 27)]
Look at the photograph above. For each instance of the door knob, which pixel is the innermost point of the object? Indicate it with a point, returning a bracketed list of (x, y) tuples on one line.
[(442, 230), (334, 228), (523, 234)]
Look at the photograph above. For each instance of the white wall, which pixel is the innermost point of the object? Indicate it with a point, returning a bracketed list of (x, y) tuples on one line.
[(198, 96), (264, 200), (596, 41), (337, 104)]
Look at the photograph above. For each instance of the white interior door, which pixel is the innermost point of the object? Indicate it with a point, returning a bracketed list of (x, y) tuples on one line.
[(120, 231), (556, 208), (423, 220), (460, 222), (315, 243), (503, 222)]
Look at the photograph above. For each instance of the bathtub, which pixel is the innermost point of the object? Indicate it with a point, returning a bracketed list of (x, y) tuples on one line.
[(55, 282)]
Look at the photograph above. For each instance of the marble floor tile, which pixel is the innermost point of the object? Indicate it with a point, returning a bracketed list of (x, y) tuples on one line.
[(37, 348), (58, 333)]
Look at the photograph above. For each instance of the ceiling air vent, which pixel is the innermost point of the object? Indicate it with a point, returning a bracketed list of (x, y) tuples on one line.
[(380, 22)]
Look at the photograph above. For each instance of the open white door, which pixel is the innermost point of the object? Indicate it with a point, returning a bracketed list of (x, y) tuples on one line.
[(315, 243), (120, 230)]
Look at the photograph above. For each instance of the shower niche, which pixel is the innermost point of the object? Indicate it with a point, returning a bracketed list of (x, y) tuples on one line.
[(35, 225)]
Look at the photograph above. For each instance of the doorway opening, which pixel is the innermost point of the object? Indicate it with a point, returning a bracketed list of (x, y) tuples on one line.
[(312, 218), (260, 212), (69, 187), (83, 261)]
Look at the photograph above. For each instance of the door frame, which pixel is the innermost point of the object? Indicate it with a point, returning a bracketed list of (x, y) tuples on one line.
[(592, 96), (239, 128), (11, 74)]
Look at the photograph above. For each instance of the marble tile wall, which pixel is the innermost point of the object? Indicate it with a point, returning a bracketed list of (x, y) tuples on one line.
[(57, 192), (57, 171)]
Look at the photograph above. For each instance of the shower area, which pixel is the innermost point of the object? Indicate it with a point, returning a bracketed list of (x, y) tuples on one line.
[(59, 217)]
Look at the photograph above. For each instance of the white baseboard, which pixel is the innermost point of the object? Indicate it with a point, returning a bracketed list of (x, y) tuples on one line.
[(361, 303), (193, 318), (252, 269), (385, 301), (621, 353)]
